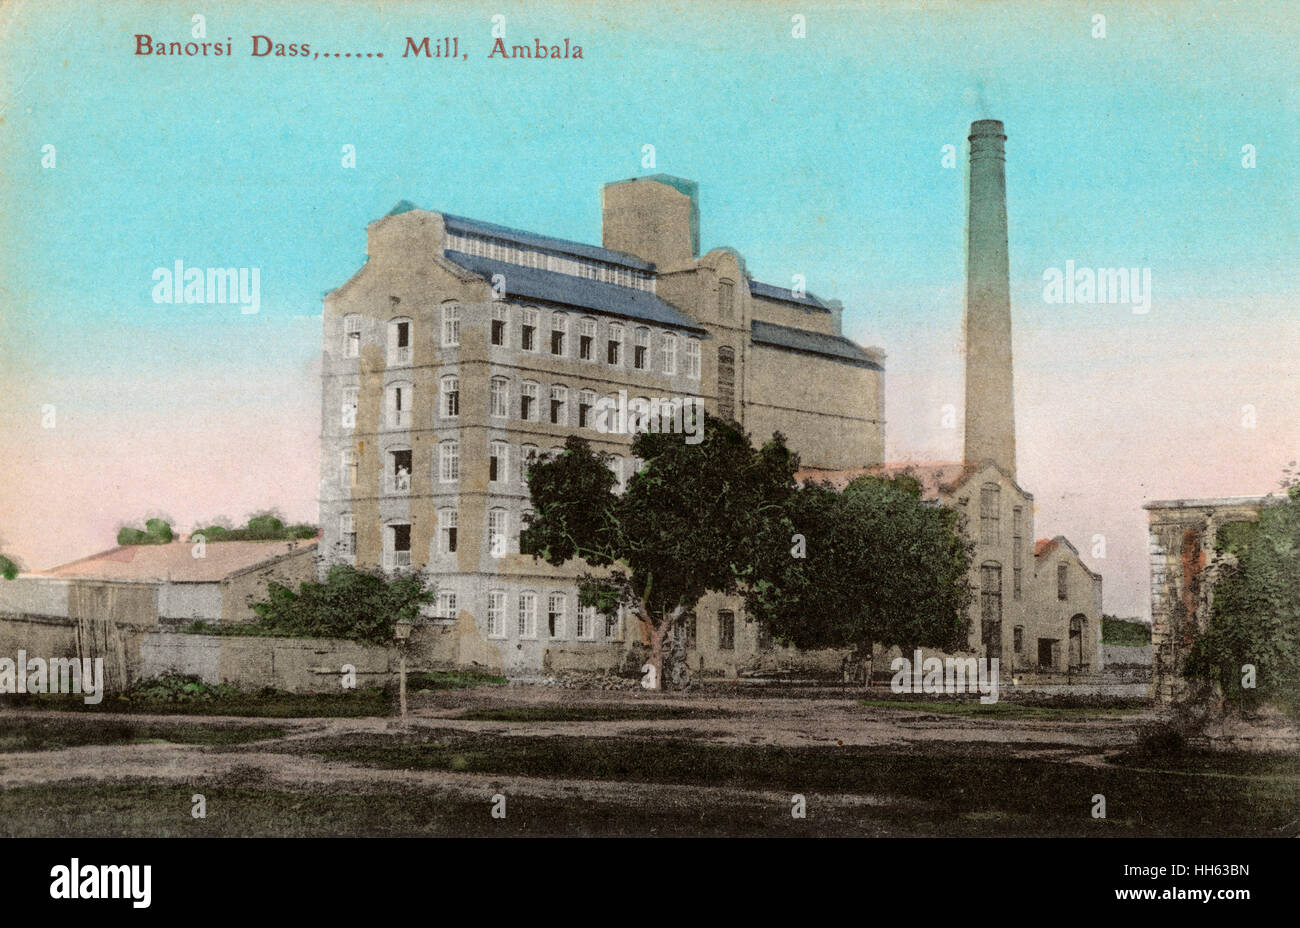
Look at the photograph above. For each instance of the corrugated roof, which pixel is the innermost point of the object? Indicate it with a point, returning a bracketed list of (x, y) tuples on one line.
[(176, 561), (789, 296), (578, 292), (461, 225), (819, 343)]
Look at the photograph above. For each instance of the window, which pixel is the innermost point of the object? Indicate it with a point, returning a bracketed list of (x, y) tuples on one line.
[(350, 398), (726, 298), (399, 405), (347, 534), (525, 520), (614, 624), (496, 614), (498, 461), (1017, 544), (449, 461), (991, 592), (399, 341), (691, 626), (727, 383), (528, 331), (641, 353), (527, 454), (586, 338), (559, 332), (586, 622), (1019, 639), (527, 615), (693, 358), (399, 471), (559, 405), (499, 397), (497, 532), (348, 469), (614, 347), (990, 514), (1062, 581), (450, 325), (352, 336), (668, 353), (450, 396), (586, 400), (398, 553), (448, 519), (555, 615), (500, 324), (528, 402), (446, 608), (726, 630)]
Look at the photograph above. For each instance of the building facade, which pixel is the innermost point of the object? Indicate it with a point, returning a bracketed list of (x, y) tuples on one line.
[(462, 349)]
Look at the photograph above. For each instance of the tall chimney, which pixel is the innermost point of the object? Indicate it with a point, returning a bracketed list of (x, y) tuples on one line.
[(990, 414)]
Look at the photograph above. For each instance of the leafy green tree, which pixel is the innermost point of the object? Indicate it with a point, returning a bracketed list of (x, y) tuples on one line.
[(155, 532), (8, 567), (688, 523), (873, 563), (361, 605), (264, 526), (1255, 619)]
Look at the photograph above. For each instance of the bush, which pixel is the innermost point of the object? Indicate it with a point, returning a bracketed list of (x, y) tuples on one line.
[(360, 605), (155, 532), (265, 527)]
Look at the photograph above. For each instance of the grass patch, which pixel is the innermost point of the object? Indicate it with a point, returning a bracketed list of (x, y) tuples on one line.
[(1124, 633), (451, 680), (588, 714), (1000, 710), (20, 733)]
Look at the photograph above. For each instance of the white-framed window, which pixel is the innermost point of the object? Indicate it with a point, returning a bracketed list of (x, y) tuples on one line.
[(559, 332), (585, 627), (398, 478), (397, 545), (351, 396), (348, 469), (528, 615), (559, 410), (528, 411), (614, 344), (498, 545), (586, 339), (449, 461), (496, 614), (399, 405), (641, 351), (555, 608), (693, 358), (527, 455), (586, 403), (448, 521), (450, 396), (528, 331), (499, 397), (399, 342), (498, 461), (500, 324), (668, 353), (450, 325), (446, 608), (352, 335), (347, 534)]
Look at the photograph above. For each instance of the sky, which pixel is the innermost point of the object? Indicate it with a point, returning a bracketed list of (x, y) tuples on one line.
[(820, 156)]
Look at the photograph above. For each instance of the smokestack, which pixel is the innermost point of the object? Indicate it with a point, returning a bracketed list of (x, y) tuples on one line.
[(990, 414)]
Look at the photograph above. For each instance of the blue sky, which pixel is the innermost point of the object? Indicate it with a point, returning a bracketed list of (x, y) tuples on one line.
[(818, 156)]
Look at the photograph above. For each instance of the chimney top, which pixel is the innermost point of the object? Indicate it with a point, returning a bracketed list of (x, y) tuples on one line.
[(987, 128)]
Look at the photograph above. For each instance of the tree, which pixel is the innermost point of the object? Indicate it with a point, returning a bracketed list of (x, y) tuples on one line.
[(262, 526), (688, 523), (8, 567), (361, 605), (873, 563), (1255, 618), (156, 532)]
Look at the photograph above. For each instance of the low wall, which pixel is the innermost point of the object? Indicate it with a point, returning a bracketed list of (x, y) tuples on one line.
[(1114, 655)]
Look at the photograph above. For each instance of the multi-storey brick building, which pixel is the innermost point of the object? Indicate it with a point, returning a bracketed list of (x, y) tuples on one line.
[(462, 348)]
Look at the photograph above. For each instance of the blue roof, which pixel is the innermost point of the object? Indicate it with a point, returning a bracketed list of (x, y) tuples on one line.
[(788, 296), (529, 283), (835, 347), (459, 225)]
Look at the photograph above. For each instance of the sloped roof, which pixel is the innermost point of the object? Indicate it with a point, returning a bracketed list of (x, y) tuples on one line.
[(834, 347), (577, 292), (1044, 547), (461, 225), (176, 562), (768, 291)]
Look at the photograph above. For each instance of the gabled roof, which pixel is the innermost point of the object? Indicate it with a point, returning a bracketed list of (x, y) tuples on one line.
[(767, 291), (1044, 547), (834, 347), (176, 561), (534, 284), (461, 225)]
